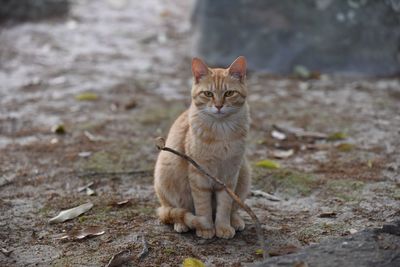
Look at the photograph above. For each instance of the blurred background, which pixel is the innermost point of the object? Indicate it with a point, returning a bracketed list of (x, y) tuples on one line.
[(85, 86)]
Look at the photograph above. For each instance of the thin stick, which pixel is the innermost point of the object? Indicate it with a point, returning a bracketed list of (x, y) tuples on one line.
[(160, 144)]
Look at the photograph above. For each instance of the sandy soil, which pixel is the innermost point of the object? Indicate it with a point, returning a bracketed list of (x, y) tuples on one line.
[(135, 57)]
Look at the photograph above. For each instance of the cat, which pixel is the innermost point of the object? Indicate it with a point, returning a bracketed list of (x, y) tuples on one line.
[(213, 132)]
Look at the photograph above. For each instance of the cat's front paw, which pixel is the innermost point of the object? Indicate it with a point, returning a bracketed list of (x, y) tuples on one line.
[(237, 222), (205, 233), (224, 231), (180, 228)]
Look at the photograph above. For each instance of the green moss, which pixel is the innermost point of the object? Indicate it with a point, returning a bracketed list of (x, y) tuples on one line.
[(348, 190), (155, 115), (117, 158), (146, 210), (396, 194), (290, 182), (169, 251)]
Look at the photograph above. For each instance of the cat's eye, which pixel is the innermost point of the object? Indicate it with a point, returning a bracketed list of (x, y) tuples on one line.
[(229, 93), (208, 93)]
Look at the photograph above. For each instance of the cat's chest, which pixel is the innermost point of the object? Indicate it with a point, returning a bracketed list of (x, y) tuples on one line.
[(218, 152)]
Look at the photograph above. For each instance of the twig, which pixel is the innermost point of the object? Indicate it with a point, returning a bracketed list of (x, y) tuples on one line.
[(160, 144)]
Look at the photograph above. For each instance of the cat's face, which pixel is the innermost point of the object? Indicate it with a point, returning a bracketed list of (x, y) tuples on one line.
[(219, 92)]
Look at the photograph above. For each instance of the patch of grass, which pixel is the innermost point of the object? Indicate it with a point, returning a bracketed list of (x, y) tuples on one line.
[(121, 157), (290, 182), (396, 194), (348, 190), (169, 251), (155, 115)]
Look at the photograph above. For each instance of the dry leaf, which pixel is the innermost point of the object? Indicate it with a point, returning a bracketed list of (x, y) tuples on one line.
[(287, 249), (58, 129), (330, 214), (71, 213), (300, 133), (282, 154), (259, 193), (278, 135), (83, 233), (337, 136), (192, 262), (80, 189), (259, 251), (123, 202), (84, 154), (6, 252), (90, 191), (345, 147), (268, 164), (87, 96), (145, 249), (92, 137)]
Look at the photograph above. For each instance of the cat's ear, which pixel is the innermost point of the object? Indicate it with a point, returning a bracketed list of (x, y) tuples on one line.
[(199, 69), (238, 68)]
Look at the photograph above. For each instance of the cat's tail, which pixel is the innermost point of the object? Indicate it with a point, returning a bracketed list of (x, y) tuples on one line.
[(170, 215)]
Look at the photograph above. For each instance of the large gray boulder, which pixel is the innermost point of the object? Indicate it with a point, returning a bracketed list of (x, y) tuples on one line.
[(368, 248), (353, 36)]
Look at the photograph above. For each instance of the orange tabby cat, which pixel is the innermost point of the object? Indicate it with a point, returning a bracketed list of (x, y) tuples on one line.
[(213, 132)]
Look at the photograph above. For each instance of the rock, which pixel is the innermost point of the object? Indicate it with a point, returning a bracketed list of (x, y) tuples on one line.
[(23, 10), (366, 248), (357, 37)]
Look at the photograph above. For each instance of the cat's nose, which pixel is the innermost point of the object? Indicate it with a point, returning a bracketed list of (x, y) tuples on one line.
[(219, 107)]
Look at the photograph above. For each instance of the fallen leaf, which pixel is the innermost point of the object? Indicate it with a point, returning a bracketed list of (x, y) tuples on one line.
[(123, 202), (6, 180), (278, 135), (337, 136), (299, 133), (84, 154), (370, 163), (6, 252), (131, 104), (80, 189), (71, 213), (58, 129), (330, 214), (259, 193), (83, 233), (92, 137), (345, 147), (90, 191), (259, 251), (192, 262), (301, 264), (145, 249), (302, 72), (287, 249), (120, 258), (352, 231), (282, 154), (86, 96), (268, 164)]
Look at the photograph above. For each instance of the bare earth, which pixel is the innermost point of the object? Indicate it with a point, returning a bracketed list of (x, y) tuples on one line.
[(135, 57)]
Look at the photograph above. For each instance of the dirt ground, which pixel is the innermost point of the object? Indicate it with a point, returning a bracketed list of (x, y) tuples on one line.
[(134, 56)]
